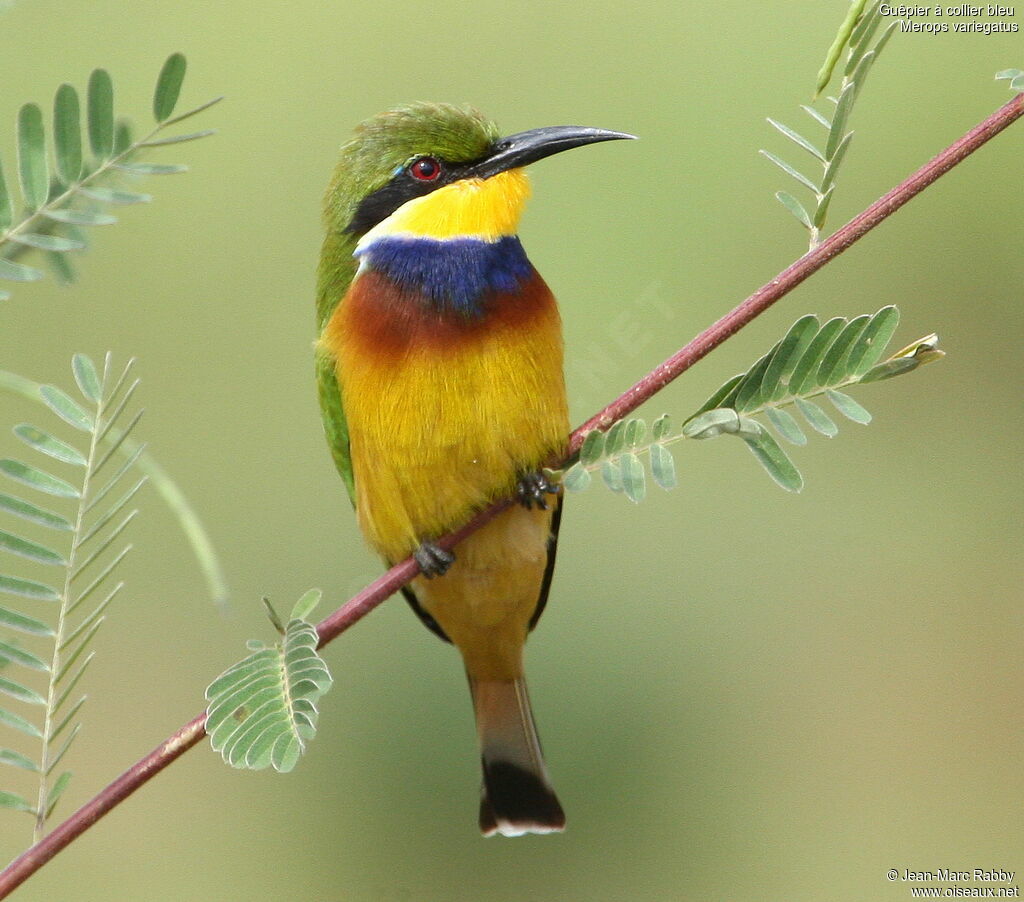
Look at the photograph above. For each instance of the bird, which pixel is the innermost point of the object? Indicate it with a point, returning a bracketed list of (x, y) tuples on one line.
[(439, 368)]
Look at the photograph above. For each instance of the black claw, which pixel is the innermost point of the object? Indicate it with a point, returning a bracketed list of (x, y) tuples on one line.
[(531, 489), (433, 559)]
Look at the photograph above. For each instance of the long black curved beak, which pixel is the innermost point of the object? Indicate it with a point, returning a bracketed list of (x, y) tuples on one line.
[(524, 148)]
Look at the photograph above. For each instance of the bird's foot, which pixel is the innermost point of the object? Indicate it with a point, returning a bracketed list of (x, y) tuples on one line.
[(433, 559), (532, 489)]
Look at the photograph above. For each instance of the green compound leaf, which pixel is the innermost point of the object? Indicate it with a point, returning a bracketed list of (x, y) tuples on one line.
[(84, 541), (856, 35), (134, 455), (809, 362), (61, 189), (262, 711)]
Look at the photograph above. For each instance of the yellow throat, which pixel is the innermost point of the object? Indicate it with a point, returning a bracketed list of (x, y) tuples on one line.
[(486, 209)]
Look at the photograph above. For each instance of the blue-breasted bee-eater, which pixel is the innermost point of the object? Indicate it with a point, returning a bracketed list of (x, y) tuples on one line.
[(439, 365)]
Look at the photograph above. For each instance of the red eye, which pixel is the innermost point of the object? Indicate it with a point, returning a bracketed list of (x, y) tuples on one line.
[(425, 169)]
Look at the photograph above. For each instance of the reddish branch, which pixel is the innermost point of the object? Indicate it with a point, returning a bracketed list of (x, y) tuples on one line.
[(360, 605)]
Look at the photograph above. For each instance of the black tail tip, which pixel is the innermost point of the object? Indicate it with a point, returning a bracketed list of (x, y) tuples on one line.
[(515, 801)]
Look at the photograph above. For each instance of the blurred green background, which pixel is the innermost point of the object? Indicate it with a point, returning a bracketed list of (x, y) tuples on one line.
[(743, 694)]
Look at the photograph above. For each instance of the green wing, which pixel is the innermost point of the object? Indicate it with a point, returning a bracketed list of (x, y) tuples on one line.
[(334, 276), (333, 415)]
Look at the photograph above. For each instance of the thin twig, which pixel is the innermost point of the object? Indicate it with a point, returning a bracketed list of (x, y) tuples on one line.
[(361, 605)]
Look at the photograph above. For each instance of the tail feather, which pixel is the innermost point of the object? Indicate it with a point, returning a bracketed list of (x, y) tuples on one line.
[(516, 796)]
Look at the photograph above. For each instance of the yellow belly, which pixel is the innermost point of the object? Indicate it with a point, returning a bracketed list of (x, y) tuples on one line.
[(486, 599), (442, 431)]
